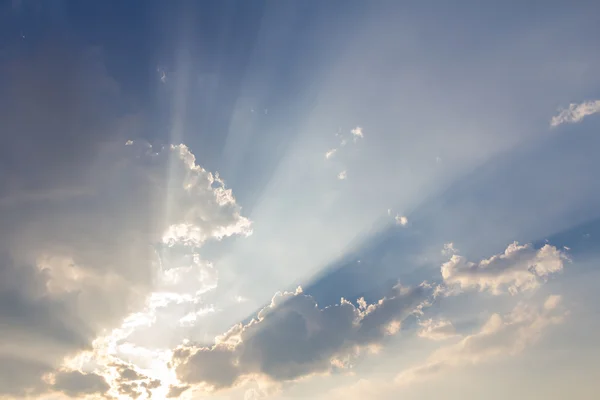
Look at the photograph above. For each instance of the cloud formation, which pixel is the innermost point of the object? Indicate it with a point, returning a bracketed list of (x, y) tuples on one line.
[(499, 337), (77, 384), (357, 132), (575, 112), (437, 330), (293, 337), (401, 220), (74, 267), (99, 230), (519, 268)]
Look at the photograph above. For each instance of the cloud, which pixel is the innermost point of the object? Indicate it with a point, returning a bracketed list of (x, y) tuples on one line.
[(519, 268), (401, 220), (77, 384), (74, 267), (132, 383), (449, 249), (576, 112), (357, 132), (440, 329), (176, 391), (293, 337), (499, 337)]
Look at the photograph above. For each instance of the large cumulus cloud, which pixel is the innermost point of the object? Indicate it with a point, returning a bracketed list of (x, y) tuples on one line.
[(84, 218), (293, 337)]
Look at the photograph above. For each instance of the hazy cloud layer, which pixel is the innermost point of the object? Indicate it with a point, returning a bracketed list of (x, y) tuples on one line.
[(500, 336)]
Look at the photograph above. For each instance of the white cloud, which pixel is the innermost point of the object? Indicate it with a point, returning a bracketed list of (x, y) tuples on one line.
[(357, 132), (519, 268), (342, 175), (401, 220), (449, 249), (576, 112), (330, 153), (77, 384), (499, 337), (293, 337), (440, 329)]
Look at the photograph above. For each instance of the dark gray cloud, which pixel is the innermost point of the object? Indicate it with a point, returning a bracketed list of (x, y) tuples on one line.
[(75, 383), (293, 337)]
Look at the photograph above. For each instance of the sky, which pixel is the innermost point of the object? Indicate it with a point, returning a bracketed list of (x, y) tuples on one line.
[(299, 199)]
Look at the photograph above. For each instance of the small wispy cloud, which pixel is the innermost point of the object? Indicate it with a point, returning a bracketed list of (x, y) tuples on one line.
[(357, 132), (342, 175), (162, 75), (437, 330), (576, 112), (449, 249), (330, 153), (401, 220)]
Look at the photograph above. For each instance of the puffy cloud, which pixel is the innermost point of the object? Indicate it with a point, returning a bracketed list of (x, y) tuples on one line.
[(342, 175), (440, 329), (74, 264), (293, 337), (519, 268), (500, 336), (576, 112), (132, 383)]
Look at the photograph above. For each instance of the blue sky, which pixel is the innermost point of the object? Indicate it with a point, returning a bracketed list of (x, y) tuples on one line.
[(299, 199)]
